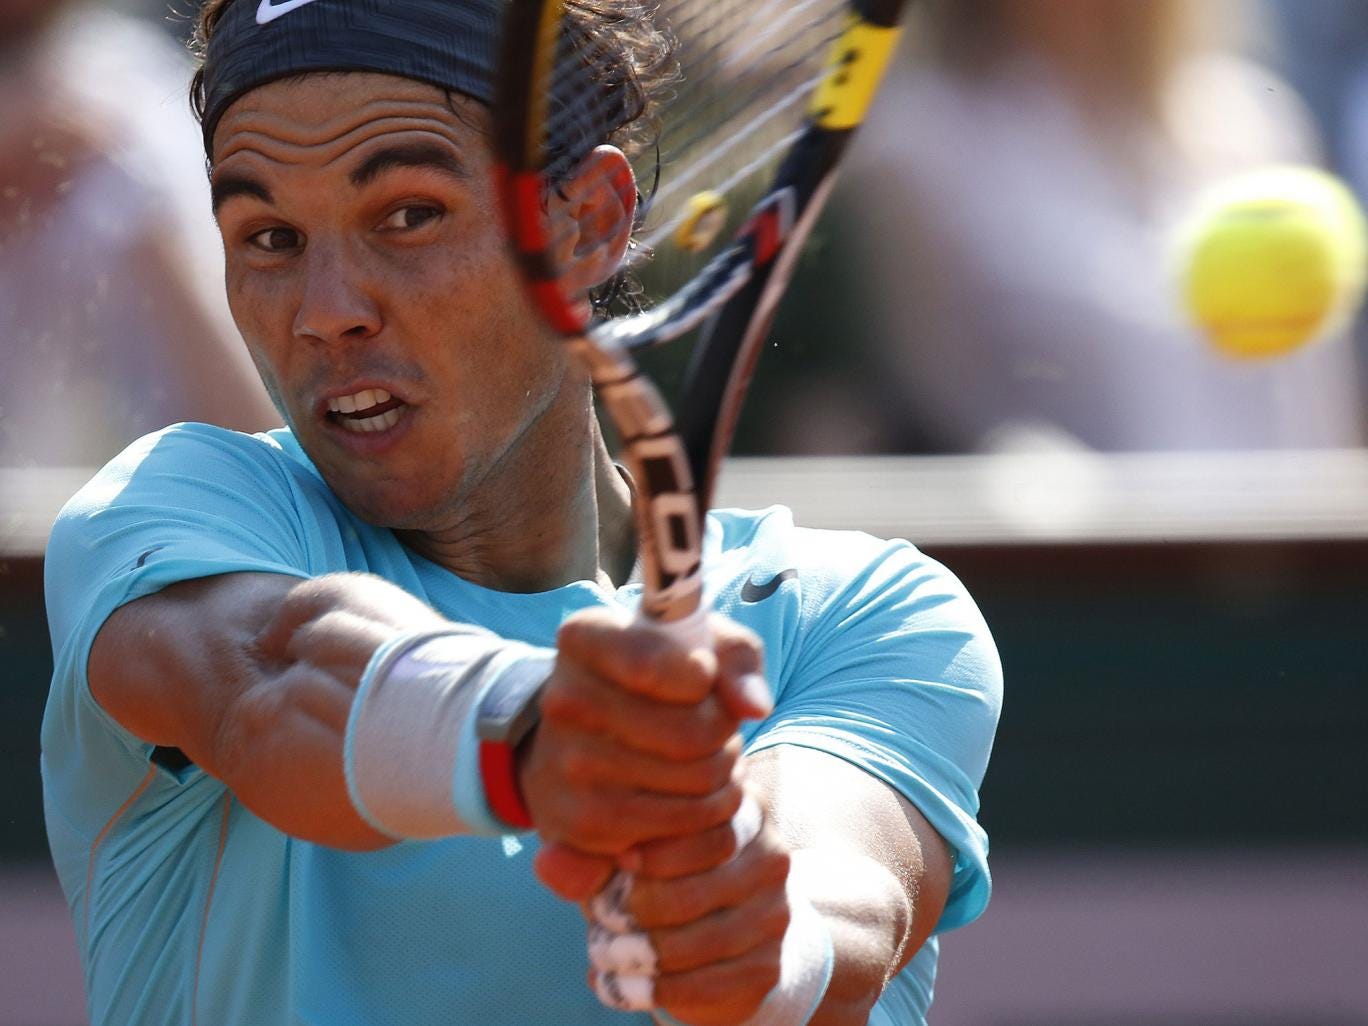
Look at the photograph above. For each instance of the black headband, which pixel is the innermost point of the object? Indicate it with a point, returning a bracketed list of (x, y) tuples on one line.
[(451, 44)]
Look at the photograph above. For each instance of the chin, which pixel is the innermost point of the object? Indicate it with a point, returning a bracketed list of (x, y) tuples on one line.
[(389, 510)]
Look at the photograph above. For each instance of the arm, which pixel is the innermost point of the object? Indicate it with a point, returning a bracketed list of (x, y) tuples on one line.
[(868, 860), (252, 676)]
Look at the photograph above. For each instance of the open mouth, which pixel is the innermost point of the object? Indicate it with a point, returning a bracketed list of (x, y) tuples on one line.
[(370, 410)]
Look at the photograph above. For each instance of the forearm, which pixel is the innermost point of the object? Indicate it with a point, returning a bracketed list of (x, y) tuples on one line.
[(869, 916), (866, 858), (252, 676)]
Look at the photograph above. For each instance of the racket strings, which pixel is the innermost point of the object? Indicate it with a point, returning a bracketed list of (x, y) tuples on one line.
[(734, 63), (739, 66), (652, 239), (700, 63), (737, 105)]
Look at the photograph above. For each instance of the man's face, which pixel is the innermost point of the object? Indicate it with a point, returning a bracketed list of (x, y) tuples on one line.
[(368, 273)]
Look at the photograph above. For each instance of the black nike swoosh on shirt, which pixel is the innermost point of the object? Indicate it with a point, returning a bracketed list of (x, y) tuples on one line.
[(142, 560), (752, 592)]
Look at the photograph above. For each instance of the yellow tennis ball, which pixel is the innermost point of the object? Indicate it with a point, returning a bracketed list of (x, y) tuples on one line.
[(1275, 259)]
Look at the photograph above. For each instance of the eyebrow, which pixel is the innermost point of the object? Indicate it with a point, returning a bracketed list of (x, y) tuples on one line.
[(423, 155), (224, 187)]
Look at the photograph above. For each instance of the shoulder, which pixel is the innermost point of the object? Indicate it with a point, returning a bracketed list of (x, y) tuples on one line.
[(186, 458), (822, 601), (194, 500), (831, 569)]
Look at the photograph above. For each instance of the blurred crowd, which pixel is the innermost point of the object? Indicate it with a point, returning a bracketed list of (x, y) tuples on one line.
[(112, 313), (997, 271), (1003, 251)]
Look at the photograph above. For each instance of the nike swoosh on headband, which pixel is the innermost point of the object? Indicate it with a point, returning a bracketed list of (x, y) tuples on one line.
[(269, 11)]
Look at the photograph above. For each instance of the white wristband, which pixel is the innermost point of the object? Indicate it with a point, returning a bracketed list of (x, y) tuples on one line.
[(411, 757)]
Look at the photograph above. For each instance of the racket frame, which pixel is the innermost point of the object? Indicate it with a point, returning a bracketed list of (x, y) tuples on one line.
[(731, 301)]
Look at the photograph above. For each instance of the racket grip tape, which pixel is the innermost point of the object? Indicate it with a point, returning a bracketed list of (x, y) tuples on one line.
[(691, 631)]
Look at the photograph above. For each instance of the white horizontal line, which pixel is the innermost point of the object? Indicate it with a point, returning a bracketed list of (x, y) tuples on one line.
[(968, 500)]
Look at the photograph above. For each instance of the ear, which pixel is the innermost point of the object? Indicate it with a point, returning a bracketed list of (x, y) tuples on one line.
[(592, 214)]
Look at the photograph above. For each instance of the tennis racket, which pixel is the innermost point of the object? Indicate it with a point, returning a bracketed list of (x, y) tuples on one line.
[(764, 98)]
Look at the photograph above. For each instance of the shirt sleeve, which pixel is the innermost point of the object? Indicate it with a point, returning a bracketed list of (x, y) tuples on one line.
[(895, 671), (189, 502)]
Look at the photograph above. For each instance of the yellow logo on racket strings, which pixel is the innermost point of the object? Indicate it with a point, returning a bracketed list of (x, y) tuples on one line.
[(854, 70)]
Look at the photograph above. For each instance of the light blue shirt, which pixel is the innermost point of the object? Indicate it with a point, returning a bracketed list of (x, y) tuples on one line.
[(190, 909)]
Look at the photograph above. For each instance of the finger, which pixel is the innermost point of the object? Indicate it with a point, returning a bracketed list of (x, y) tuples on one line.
[(637, 657), (720, 992), (590, 760), (695, 853), (569, 873), (728, 933), (763, 866), (608, 822), (741, 685), (576, 699)]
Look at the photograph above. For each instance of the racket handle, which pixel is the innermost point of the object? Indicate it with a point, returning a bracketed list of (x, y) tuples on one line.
[(691, 631)]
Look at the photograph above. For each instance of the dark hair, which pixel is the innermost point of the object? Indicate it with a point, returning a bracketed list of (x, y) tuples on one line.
[(625, 54)]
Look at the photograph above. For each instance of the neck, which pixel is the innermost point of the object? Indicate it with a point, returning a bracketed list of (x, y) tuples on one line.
[(546, 516)]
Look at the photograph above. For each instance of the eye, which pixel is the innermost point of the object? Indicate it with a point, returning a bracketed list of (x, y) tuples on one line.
[(411, 217), (275, 240)]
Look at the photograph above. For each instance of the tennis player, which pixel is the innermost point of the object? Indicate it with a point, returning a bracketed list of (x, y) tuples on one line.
[(351, 722)]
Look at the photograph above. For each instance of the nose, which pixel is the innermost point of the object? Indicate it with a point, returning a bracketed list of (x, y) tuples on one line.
[(336, 303)]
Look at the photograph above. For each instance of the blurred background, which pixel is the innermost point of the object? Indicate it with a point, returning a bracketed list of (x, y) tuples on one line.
[(985, 353)]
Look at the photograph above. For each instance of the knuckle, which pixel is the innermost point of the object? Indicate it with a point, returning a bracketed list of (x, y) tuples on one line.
[(765, 976), (682, 741), (721, 843), (560, 701), (774, 867), (588, 632), (719, 769), (772, 922), (701, 776), (578, 766), (714, 846), (583, 824), (667, 904), (693, 672), (701, 733), (720, 806), (738, 646), (673, 952), (574, 631)]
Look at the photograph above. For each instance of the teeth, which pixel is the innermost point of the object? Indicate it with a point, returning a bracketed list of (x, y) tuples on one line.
[(382, 422), (362, 400)]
